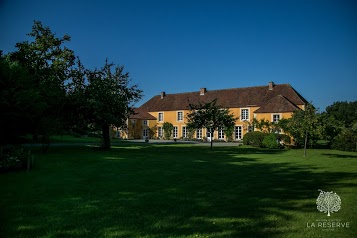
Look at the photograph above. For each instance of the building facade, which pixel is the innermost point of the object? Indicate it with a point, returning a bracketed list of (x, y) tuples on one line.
[(271, 102)]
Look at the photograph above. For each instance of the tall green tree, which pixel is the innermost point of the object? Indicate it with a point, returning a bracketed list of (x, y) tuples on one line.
[(109, 98), (19, 101), (210, 116), (344, 112), (49, 62)]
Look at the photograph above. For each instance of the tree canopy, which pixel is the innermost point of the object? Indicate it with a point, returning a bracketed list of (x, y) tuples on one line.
[(109, 98), (45, 90), (211, 116), (304, 126)]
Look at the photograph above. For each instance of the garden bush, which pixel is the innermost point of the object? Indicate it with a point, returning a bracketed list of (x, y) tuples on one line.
[(14, 158), (285, 139), (254, 138), (270, 141)]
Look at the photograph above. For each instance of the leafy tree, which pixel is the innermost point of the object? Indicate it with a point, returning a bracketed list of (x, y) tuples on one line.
[(49, 63), (109, 98), (19, 101), (331, 128), (262, 125), (344, 112), (210, 116), (304, 125), (346, 140)]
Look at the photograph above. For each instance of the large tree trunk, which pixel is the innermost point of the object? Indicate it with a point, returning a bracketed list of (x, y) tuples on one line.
[(106, 137)]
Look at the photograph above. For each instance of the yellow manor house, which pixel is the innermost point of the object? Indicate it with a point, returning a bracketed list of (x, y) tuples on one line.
[(271, 102)]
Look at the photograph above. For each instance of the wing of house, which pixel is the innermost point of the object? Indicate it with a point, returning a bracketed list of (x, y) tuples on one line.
[(270, 102)]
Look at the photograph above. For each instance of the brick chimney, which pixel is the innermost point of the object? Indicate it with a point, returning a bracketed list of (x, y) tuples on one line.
[(203, 91), (163, 94), (271, 85)]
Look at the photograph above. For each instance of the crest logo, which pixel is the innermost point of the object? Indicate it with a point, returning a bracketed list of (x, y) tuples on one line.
[(328, 202)]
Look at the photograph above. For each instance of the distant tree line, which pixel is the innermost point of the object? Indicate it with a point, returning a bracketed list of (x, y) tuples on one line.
[(45, 90)]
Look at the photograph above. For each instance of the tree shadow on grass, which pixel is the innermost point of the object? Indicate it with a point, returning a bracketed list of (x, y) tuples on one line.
[(174, 191), (341, 156)]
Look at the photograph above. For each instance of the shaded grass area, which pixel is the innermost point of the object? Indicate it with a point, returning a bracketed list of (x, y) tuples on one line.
[(141, 190)]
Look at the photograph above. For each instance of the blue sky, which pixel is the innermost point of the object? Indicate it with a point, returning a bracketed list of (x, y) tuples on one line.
[(181, 46)]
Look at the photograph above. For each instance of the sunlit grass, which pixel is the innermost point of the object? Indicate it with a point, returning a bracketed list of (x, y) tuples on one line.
[(143, 190)]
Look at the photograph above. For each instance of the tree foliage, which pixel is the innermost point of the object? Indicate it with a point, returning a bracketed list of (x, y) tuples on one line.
[(304, 126), (343, 112), (210, 116), (48, 63), (254, 138), (270, 141), (20, 102), (168, 127), (108, 98), (45, 90)]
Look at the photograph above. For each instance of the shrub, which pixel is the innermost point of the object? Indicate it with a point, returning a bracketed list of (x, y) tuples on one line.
[(254, 138), (14, 158), (168, 127), (270, 141), (285, 139), (346, 140)]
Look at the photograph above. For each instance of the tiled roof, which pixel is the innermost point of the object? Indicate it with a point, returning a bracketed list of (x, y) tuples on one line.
[(276, 105), (231, 98), (139, 113)]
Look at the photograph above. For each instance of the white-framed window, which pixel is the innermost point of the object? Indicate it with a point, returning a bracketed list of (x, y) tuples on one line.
[(161, 116), (145, 122), (244, 114), (276, 118), (184, 132), (145, 133), (220, 134), (209, 134), (199, 133), (159, 132), (238, 132), (175, 131), (179, 116)]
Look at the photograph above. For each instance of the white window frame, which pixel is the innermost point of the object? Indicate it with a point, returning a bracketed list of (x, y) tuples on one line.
[(178, 117), (273, 117), (199, 133), (145, 122), (238, 132), (159, 132), (220, 134), (184, 131), (241, 114), (175, 132), (158, 117)]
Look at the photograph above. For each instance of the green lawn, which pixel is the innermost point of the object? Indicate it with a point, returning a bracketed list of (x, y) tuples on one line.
[(145, 190)]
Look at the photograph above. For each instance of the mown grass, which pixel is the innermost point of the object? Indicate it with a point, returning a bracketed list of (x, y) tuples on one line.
[(145, 190)]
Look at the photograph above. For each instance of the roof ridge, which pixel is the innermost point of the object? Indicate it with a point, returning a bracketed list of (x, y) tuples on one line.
[(225, 89)]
